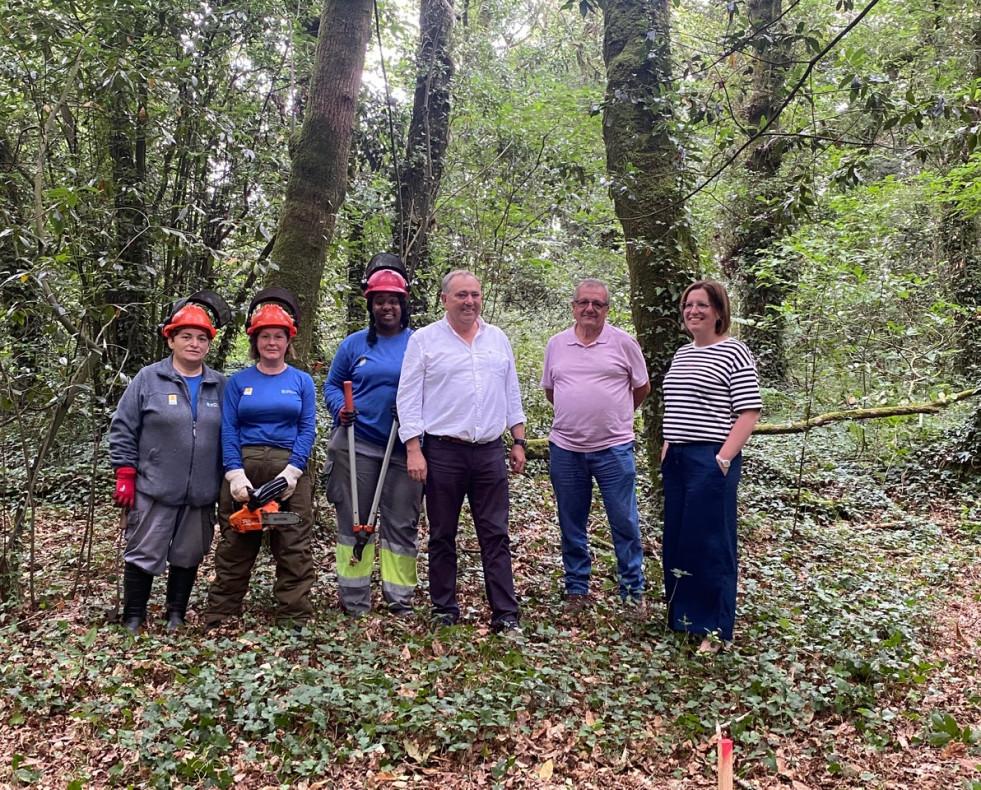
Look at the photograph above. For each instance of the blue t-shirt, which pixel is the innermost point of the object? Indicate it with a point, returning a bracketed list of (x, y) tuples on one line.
[(374, 373), (193, 385), (269, 411)]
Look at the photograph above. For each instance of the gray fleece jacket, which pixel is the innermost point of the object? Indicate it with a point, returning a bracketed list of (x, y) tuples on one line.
[(177, 458)]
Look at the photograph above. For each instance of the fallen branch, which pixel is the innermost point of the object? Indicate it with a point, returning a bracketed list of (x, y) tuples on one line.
[(849, 415)]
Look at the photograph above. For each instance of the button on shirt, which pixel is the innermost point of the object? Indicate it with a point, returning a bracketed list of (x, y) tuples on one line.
[(449, 387)]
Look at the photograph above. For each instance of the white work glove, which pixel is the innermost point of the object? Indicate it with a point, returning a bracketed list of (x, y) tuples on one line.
[(239, 484), (291, 474)]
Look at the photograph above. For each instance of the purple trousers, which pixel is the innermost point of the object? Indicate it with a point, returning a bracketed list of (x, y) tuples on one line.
[(479, 473)]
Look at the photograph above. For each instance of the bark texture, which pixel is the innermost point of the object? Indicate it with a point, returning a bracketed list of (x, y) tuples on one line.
[(429, 136), (319, 172), (758, 213), (644, 160)]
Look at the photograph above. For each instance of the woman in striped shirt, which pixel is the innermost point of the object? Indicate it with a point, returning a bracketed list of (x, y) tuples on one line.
[(711, 405)]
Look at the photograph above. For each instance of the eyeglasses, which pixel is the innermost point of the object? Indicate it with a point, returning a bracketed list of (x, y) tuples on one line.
[(584, 303), (699, 305)]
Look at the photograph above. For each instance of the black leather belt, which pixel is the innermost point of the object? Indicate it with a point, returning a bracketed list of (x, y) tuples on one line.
[(455, 440)]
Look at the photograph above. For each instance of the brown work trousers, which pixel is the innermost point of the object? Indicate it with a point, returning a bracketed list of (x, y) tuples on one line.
[(290, 545)]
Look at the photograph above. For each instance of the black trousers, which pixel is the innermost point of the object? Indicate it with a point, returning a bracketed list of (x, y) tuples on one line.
[(479, 473)]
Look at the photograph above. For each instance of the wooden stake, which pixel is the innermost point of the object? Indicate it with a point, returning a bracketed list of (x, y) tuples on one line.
[(725, 763)]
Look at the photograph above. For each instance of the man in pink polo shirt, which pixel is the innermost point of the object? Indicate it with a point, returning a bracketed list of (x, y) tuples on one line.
[(596, 378)]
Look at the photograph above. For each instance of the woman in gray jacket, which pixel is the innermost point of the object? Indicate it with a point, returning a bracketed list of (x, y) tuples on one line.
[(165, 446)]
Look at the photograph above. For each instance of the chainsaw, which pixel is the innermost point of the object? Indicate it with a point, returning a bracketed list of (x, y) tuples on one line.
[(262, 510)]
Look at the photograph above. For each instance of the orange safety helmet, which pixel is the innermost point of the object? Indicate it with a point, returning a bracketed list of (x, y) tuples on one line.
[(385, 280), (271, 314), (190, 315)]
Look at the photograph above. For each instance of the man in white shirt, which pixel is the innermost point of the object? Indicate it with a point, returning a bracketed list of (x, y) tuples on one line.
[(596, 378), (457, 394)]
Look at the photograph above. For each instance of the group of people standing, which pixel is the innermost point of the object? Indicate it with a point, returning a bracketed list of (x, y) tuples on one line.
[(422, 414)]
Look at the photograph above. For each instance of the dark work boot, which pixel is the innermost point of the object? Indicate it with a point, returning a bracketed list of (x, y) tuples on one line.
[(136, 592), (180, 581)]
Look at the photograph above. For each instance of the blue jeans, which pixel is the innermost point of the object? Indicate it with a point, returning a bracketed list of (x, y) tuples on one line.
[(572, 479)]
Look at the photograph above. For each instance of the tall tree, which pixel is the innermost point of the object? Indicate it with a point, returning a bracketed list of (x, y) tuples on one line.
[(319, 172), (429, 135), (961, 235), (758, 216), (643, 159)]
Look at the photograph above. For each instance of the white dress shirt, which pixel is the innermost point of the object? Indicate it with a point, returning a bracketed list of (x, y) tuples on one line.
[(453, 388)]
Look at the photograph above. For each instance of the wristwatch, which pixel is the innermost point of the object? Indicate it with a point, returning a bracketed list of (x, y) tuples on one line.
[(723, 461), (520, 442)]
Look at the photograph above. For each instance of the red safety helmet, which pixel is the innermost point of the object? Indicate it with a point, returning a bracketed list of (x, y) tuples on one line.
[(193, 316), (271, 314), (385, 280)]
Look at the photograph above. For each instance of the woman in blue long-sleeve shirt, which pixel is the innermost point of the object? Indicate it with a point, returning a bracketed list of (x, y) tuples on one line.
[(268, 428)]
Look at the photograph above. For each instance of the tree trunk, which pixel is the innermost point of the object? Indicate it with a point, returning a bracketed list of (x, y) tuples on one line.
[(647, 182), (429, 134), (131, 337), (759, 223), (318, 177), (961, 236)]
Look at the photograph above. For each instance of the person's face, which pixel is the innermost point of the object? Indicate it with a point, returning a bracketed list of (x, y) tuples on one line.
[(271, 343), (190, 346), (387, 312), (590, 307), (699, 314), (463, 300)]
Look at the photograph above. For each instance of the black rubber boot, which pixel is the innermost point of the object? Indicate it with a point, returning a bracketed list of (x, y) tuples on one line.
[(180, 582), (136, 592)]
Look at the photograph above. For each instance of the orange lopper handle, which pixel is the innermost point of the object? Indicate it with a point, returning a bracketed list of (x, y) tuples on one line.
[(348, 396)]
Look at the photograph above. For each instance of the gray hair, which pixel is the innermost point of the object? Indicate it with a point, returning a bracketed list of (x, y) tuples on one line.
[(591, 281), (445, 287)]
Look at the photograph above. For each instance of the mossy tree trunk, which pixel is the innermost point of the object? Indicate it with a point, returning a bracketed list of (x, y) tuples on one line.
[(319, 172), (643, 157), (758, 212), (429, 136)]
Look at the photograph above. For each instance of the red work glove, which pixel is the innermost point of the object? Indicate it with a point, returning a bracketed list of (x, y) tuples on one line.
[(125, 495), (347, 417)]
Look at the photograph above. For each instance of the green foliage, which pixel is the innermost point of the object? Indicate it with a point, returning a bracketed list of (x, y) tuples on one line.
[(836, 624)]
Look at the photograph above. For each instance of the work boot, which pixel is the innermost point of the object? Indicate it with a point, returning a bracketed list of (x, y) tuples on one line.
[(180, 581), (136, 592)]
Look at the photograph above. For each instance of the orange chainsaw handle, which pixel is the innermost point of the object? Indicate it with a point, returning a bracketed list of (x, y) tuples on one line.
[(349, 396)]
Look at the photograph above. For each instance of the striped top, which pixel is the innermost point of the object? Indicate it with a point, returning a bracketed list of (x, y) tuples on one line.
[(706, 388)]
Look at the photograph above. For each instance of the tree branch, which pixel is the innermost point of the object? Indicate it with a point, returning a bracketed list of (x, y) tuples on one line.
[(850, 415)]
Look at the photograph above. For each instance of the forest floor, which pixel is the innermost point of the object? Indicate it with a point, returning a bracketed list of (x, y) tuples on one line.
[(856, 665)]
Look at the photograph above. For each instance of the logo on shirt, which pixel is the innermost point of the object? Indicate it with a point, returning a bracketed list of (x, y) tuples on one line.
[(288, 392), (172, 400), (247, 391), (211, 404), (360, 362)]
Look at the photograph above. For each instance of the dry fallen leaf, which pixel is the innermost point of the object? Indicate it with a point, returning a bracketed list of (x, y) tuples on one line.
[(545, 772)]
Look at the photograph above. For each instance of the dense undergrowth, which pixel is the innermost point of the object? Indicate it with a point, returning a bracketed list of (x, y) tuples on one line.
[(840, 587)]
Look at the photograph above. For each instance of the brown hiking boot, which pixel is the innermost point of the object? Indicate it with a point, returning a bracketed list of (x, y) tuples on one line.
[(575, 602)]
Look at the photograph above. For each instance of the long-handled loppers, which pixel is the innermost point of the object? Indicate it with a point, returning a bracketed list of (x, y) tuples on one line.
[(363, 532)]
